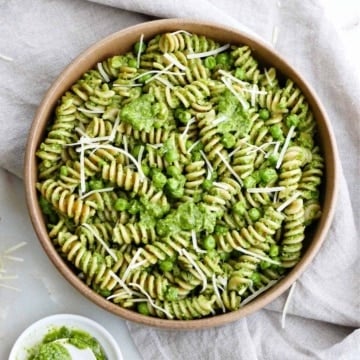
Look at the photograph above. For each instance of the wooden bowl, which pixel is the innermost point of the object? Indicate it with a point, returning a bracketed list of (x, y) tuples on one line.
[(121, 42)]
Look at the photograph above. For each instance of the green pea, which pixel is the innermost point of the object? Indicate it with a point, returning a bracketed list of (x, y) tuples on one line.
[(145, 169), (256, 278), (264, 265), (254, 214), (274, 250), (228, 140), (249, 182), (166, 265), (134, 207), (132, 63), (276, 132), (143, 308), (182, 115), (223, 59), (268, 175), (220, 229), (209, 243), (240, 74), (121, 204), (172, 294), (292, 120), (139, 46), (207, 184), (273, 159), (143, 79), (63, 170), (210, 62), (159, 180), (171, 156), (264, 114), (96, 184), (174, 188), (173, 171), (239, 208)]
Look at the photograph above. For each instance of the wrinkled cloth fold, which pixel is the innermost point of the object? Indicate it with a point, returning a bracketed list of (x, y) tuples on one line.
[(38, 40)]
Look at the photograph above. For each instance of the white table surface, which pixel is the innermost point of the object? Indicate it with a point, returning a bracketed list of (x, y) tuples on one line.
[(42, 289)]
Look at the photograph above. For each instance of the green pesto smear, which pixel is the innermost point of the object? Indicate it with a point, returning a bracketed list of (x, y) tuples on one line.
[(49, 348)]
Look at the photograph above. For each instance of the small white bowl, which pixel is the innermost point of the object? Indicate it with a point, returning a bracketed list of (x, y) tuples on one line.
[(35, 333)]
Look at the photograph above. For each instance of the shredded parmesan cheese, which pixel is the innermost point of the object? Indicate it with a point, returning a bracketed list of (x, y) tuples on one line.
[(217, 294), (288, 201), (102, 72), (82, 167), (287, 302), (121, 283), (99, 111), (193, 146), (220, 119), (275, 35), (140, 155), (124, 152), (180, 32), (151, 301), (101, 241), (196, 267), (285, 146), (255, 255), (266, 189), (131, 264), (96, 191), (208, 53), (236, 176), (268, 77), (15, 247), (208, 164), (258, 292), (6, 58), (221, 185), (10, 287), (139, 51), (195, 244), (167, 83), (228, 84), (174, 61), (187, 127)]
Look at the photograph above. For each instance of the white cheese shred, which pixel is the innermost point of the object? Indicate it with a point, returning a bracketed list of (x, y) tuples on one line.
[(6, 58), (268, 77), (10, 287), (90, 111), (122, 151), (208, 53), (131, 264), (15, 247), (222, 185), (258, 292), (217, 294), (196, 267), (265, 190), (236, 176), (195, 243), (255, 255), (158, 73), (193, 146), (96, 191), (275, 35), (165, 82), (174, 61), (288, 201), (101, 241), (121, 283), (285, 146), (208, 164), (228, 84), (220, 119), (140, 155), (286, 306), (141, 42), (187, 127), (13, 258), (82, 167), (103, 72), (152, 303), (180, 32)]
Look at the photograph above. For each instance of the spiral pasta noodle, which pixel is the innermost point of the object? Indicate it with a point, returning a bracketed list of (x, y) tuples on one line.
[(179, 179)]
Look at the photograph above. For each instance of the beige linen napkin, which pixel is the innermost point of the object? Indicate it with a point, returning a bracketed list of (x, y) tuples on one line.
[(38, 39)]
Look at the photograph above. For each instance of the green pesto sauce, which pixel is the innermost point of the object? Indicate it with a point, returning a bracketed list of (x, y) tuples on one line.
[(238, 120), (50, 349), (140, 113), (188, 216)]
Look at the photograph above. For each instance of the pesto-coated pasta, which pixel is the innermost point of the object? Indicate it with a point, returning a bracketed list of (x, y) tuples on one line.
[(179, 179)]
